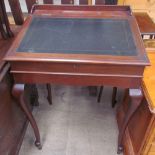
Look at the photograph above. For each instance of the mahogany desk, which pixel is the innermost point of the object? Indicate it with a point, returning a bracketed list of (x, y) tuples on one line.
[(79, 45)]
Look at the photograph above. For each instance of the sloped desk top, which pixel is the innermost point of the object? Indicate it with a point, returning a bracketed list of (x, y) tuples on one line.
[(79, 36), (102, 34)]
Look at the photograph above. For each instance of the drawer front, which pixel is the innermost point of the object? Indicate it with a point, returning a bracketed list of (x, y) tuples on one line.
[(105, 69)]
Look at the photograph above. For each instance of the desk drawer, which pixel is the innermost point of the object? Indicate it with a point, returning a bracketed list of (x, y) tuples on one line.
[(53, 67)]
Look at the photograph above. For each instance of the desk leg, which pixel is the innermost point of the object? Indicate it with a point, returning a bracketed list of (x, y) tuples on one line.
[(114, 93), (100, 94), (135, 96), (18, 93), (49, 97)]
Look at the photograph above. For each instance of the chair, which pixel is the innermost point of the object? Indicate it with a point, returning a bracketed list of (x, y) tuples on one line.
[(4, 22)]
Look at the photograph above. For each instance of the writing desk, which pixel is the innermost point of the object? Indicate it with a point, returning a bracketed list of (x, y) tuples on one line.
[(79, 45)]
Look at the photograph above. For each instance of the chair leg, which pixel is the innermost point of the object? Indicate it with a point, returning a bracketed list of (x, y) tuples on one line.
[(114, 93), (100, 94), (49, 97), (151, 36), (18, 94), (3, 33)]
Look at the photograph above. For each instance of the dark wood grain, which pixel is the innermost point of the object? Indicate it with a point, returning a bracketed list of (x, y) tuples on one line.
[(18, 94), (13, 122), (16, 11), (5, 27), (138, 129), (29, 4), (136, 96), (145, 23)]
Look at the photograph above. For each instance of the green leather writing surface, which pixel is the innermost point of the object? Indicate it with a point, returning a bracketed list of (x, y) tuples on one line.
[(79, 36)]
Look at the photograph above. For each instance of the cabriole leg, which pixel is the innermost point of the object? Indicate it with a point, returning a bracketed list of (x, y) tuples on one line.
[(18, 94), (49, 97), (135, 96), (114, 93)]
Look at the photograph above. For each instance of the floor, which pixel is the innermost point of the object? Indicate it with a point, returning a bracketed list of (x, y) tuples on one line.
[(74, 125)]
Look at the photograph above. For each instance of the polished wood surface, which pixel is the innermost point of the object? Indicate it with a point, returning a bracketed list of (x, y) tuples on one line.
[(149, 82), (140, 141), (138, 129), (145, 23), (75, 68), (148, 86), (57, 67)]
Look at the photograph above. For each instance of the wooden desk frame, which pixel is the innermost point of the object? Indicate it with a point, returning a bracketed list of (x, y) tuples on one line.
[(74, 69)]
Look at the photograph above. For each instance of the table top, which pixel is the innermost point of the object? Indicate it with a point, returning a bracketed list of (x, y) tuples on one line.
[(101, 34), (146, 25)]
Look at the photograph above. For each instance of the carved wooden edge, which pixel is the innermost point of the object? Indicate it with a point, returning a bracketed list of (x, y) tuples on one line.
[(135, 96), (18, 94), (126, 8)]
